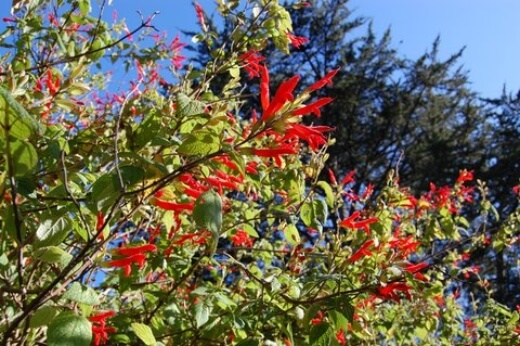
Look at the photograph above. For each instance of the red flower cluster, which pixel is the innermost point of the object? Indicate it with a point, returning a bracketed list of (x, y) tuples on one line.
[(200, 17), (362, 252), (131, 255), (197, 238), (391, 291), (297, 41), (251, 63), (352, 222), (52, 83), (241, 238), (99, 329)]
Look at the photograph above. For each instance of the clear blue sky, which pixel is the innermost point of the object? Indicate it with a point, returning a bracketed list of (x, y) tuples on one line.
[(490, 30)]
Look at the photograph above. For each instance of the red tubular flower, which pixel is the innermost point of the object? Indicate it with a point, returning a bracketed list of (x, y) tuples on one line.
[(297, 41), (100, 221), (99, 329), (177, 207), (390, 291), (175, 47), (39, 86), (225, 160), (340, 337), (404, 246), (322, 82), (197, 238), (251, 63), (414, 268), (332, 177), (318, 319), (241, 238), (362, 252), (351, 222), (220, 183), (369, 190), (193, 192), (285, 149), (251, 167), (200, 16), (349, 178), (129, 251), (314, 107), (264, 87), (52, 84), (101, 317), (283, 94), (126, 262), (311, 134), (464, 175)]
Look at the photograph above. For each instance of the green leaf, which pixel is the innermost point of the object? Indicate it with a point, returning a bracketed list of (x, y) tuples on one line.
[(343, 305), (234, 72), (250, 230), (314, 212), (329, 194), (201, 311), (292, 235), (68, 329), (293, 185), (514, 318), (96, 49), (104, 192), (43, 316), (84, 7), (24, 157), (8, 222), (421, 333), (200, 143), (187, 107), (131, 175), (321, 334), (53, 254), (144, 333), (339, 320), (15, 120), (82, 294), (147, 130), (207, 211), (52, 232), (65, 104)]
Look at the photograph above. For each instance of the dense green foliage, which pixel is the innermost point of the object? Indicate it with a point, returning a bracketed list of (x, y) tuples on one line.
[(191, 205)]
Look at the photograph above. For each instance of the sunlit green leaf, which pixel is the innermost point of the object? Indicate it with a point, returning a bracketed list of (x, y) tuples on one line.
[(291, 234), (69, 329), (200, 143), (52, 232), (201, 311), (81, 294), (53, 254), (144, 333)]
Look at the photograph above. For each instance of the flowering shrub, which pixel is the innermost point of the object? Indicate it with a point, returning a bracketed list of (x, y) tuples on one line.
[(166, 213)]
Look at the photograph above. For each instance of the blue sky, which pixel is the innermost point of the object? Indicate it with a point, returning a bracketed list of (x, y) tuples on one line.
[(490, 30)]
